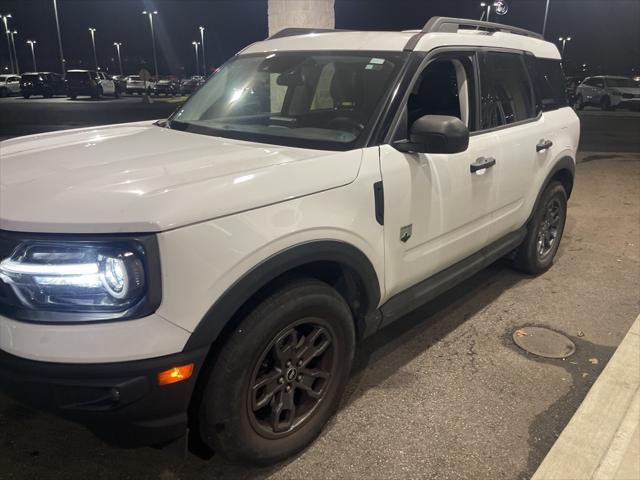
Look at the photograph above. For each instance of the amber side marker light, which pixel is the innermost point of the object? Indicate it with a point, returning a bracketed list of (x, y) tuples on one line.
[(175, 374)]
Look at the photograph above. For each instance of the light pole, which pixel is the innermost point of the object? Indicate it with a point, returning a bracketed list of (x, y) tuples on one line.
[(15, 54), (204, 58), (486, 5), (6, 30), (93, 44), (32, 43), (195, 45), (118, 45), (546, 14), (564, 41), (153, 39), (55, 11)]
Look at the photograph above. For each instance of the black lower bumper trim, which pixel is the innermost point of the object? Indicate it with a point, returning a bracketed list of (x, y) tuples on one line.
[(120, 402)]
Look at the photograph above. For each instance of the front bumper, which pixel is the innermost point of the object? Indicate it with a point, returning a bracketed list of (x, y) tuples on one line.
[(121, 403)]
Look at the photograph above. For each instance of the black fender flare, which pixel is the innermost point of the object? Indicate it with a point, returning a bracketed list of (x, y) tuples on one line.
[(564, 164), (228, 304)]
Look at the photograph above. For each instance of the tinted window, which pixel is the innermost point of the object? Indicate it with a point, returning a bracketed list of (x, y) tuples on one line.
[(77, 75), (507, 94), (621, 83), (549, 83), (598, 83)]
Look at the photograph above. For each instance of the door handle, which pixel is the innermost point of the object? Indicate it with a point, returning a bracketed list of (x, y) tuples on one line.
[(482, 163), (544, 145)]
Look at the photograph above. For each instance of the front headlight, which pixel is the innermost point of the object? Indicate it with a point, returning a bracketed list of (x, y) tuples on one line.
[(79, 280)]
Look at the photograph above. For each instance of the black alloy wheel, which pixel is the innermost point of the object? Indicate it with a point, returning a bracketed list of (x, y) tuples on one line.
[(291, 378)]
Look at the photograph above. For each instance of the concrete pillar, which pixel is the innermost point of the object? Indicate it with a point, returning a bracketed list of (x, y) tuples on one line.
[(301, 14)]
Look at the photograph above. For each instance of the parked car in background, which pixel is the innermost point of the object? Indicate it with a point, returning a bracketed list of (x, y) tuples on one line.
[(9, 85), (166, 86), (135, 84), (46, 84), (608, 92), (89, 83), (188, 86), (121, 83), (572, 85)]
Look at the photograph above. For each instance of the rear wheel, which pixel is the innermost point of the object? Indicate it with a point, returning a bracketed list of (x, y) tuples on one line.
[(98, 93), (279, 376), (579, 102), (540, 246)]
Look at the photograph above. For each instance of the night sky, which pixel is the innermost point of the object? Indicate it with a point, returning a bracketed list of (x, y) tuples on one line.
[(606, 33)]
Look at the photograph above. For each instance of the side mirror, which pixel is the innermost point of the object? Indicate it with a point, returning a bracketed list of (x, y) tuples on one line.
[(435, 134)]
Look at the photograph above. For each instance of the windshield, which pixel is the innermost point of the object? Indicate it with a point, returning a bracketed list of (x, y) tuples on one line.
[(77, 75), (30, 77), (322, 100), (621, 83)]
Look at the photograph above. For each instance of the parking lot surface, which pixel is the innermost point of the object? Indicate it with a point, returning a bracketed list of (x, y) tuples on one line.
[(443, 393)]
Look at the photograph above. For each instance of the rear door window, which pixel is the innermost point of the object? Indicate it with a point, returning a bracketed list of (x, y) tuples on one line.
[(506, 91)]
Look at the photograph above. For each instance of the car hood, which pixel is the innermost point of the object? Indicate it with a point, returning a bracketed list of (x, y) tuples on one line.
[(143, 178)]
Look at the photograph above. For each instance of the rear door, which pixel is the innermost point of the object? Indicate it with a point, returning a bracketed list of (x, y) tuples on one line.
[(507, 112)]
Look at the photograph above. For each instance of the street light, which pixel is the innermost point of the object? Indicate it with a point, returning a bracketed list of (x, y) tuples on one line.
[(118, 45), (204, 57), (153, 38), (195, 45), (55, 11), (6, 30), (93, 44), (564, 41), (33, 54), (488, 6), (15, 54), (546, 14)]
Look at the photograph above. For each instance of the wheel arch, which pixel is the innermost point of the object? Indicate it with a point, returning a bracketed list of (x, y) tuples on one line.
[(340, 264), (563, 171)]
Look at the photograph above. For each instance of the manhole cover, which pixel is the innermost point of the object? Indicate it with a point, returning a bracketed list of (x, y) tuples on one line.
[(544, 342)]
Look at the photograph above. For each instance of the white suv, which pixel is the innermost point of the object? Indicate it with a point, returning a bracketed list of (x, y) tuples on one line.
[(216, 270)]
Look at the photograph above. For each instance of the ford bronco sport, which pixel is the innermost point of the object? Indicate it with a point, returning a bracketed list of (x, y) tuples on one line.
[(215, 271)]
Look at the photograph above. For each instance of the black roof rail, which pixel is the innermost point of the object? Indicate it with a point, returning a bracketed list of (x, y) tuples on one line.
[(452, 25), (291, 32)]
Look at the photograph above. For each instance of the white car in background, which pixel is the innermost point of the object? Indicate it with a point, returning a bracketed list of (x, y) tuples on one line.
[(9, 85), (608, 92), (135, 84)]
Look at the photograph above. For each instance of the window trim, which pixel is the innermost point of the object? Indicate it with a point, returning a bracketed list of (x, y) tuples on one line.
[(412, 77)]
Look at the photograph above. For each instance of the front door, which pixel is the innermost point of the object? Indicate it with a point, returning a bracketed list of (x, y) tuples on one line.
[(437, 211)]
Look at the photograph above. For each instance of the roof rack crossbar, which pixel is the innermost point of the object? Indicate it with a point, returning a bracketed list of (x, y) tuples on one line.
[(452, 25), (292, 32)]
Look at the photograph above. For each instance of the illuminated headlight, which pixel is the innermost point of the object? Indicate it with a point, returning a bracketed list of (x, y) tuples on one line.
[(76, 277)]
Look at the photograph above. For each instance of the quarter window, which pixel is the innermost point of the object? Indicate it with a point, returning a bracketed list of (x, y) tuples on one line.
[(507, 94), (549, 81)]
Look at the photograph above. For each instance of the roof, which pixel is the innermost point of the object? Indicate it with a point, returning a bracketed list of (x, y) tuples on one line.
[(439, 31)]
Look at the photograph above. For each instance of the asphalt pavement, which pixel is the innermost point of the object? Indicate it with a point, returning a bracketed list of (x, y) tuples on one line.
[(443, 393)]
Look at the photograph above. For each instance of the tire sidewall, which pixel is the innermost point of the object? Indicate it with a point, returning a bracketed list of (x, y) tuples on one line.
[(228, 405), (554, 190)]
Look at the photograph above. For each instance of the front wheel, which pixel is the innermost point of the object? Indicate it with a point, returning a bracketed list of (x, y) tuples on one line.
[(605, 103), (540, 246), (280, 374)]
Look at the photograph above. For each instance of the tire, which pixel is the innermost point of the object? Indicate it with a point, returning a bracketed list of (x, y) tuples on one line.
[(73, 96), (26, 95), (227, 419), (579, 103), (4, 92), (116, 93), (536, 253), (605, 103)]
